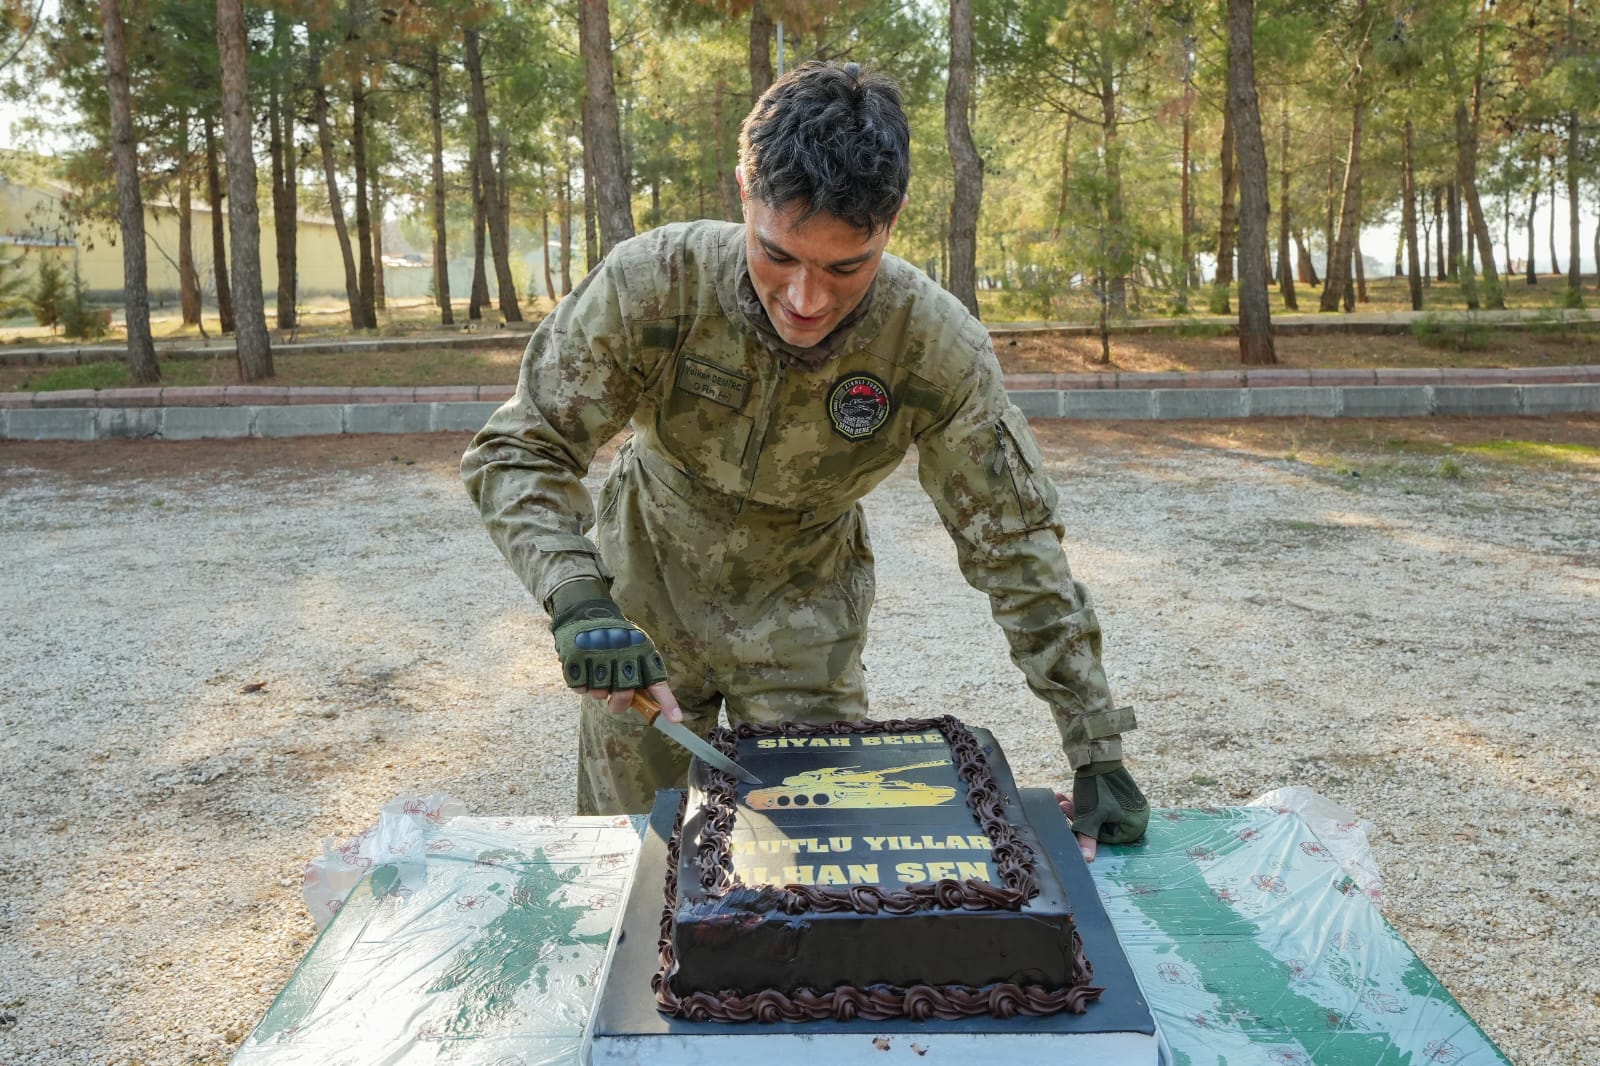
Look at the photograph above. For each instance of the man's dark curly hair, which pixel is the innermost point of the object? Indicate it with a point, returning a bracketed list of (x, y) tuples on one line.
[(833, 137)]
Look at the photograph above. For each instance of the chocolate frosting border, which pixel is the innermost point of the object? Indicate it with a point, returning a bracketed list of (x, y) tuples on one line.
[(1013, 858), (849, 1002)]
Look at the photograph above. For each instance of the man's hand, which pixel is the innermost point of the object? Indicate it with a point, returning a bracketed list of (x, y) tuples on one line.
[(1088, 845), (602, 653), (1107, 807)]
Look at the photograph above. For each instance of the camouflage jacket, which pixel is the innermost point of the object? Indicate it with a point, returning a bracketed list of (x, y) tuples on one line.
[(659, 334)]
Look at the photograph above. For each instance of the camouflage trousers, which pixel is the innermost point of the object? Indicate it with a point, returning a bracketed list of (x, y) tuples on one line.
[(758, 611)]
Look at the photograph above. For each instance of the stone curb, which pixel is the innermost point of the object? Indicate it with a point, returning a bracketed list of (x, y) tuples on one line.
[(1026, 384), (452, 410)]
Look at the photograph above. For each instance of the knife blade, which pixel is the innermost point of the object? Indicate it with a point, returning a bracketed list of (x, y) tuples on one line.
[(687, 738)]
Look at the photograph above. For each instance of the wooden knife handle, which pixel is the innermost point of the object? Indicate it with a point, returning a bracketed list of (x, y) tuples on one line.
[(645, 705)]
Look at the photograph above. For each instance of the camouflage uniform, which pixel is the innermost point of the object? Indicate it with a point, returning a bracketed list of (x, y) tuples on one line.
[(729, 520)]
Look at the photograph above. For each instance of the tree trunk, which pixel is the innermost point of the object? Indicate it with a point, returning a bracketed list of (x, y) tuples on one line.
[(1220, 300), (441, 247), (1408, 219), (1505, 227), (1066, 174), (1531, 275), (380, 300), (1426, 240), (1116, 249), (1574, 293), (330, 175), (1555, 260), (1306, 268), (1467, 178), (219, 240), (480, 229), (760, 51), (717, 158), (244, 221), (1339, 273), (967, 198), (544, 232), (503, 186), (591, 236), (1358, 266), (566, 222), (1441, 265), (499, 238), (1456, 244), (1285, 268), (611, 178), (1330, 222), (285, 175), (130, 203), (1255, 312), (358, 154), (1186, 269), (188, 280)]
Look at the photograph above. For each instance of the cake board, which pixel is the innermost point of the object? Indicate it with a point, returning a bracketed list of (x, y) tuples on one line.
[(625, 1028)]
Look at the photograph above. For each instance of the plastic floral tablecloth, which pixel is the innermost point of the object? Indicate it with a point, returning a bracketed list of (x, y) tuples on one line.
[(1253, 944)]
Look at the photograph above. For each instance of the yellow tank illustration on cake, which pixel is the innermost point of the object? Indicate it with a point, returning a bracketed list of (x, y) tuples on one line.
[(849, 788)]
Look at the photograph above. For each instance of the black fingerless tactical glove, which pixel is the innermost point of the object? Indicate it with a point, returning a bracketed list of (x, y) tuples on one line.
[(1108, 806), (599, 648)]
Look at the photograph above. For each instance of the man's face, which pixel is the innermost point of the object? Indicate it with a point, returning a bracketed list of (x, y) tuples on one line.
[(808, 276)]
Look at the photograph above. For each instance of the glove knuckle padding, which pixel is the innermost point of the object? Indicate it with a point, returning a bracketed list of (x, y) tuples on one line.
[(1109, 807), (600, 649)]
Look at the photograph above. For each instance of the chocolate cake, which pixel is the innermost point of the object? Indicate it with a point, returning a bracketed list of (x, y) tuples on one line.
[(882, 870)]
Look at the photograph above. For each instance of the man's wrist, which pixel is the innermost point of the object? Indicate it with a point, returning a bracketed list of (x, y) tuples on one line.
[(578, 591), (1095, 769)]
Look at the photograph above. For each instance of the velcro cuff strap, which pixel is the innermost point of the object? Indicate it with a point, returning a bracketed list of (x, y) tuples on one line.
[(566, 542), (1108, 723)]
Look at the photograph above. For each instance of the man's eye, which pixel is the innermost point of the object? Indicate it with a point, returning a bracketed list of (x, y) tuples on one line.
[(846, 271), (777, 257)]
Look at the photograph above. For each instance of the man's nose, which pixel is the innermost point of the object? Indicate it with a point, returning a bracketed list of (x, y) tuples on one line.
[(806, 296)]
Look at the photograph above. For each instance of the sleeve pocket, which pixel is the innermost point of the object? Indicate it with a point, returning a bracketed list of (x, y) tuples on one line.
[(1019, 453)]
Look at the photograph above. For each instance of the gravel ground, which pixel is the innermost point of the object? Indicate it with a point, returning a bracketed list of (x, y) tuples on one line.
[(212, 656)]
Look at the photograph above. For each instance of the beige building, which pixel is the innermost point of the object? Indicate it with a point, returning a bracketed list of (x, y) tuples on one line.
[(33, 221)]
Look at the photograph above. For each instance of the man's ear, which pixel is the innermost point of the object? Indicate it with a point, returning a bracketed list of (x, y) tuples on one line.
[(889, 229), (738, 176)]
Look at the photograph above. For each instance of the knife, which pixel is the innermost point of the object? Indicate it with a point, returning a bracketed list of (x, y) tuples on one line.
[(683, 735)]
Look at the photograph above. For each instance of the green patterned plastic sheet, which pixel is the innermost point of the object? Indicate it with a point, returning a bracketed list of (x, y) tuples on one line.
[(490, 956), (1253, 946)]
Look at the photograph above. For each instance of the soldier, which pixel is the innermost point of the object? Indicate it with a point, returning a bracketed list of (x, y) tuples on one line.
[(774, 372)]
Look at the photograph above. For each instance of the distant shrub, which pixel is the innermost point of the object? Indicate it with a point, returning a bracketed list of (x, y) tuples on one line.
[(1450, 334), (49, 288), (77, 317), (13, 294)]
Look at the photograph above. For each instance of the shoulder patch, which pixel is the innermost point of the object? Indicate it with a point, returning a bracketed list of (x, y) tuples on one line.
[(859, 405)]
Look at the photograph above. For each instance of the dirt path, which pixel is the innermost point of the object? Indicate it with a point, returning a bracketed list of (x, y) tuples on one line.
[(1407, 625)]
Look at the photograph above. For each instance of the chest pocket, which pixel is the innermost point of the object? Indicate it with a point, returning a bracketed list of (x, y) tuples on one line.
[(702, 421), (1017, 457)]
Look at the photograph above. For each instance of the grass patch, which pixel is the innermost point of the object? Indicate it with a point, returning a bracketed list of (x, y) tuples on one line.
[(1537, 453), (1201, 330), (86, 376)]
